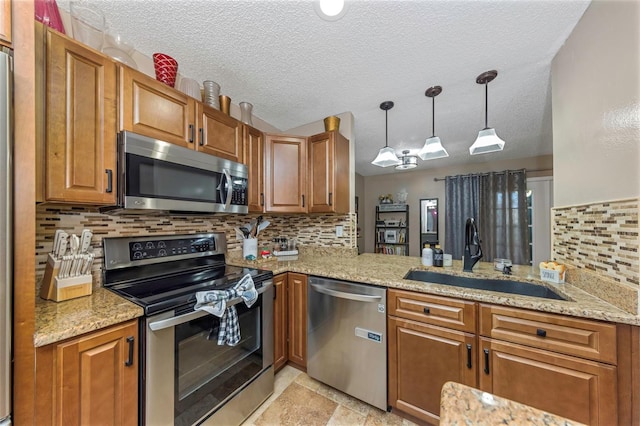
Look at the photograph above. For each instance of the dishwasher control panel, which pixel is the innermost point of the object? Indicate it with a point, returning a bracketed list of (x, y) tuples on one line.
[(368, 334)]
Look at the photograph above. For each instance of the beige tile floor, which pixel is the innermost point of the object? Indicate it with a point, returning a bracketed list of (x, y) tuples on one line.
[(300, 400)]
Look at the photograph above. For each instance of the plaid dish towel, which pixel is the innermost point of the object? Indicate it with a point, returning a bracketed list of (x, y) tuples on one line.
[(215, 302)]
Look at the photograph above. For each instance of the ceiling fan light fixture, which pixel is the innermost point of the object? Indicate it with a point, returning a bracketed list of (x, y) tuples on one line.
[(487, 140), (387, 156), (433, 148), (407, 161)]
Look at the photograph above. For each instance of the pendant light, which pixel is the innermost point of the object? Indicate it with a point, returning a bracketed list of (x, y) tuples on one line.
[(488, 140), (407, 161), (387, 156), (433, 148)]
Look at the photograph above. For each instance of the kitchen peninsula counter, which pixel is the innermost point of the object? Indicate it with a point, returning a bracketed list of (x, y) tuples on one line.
[(389, 271)]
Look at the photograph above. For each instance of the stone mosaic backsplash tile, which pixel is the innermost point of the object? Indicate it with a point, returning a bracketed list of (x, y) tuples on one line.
[(318, 230), (602, 238), (602, 241)]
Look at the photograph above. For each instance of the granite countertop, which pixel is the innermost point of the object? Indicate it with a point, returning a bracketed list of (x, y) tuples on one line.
[(388, 271), (464, 405), (56, 321), (59, 321)]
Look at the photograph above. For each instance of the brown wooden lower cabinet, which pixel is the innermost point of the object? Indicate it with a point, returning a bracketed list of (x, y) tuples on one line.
[(89, 380), (422, 358), (297, 300), (290, 320), (572, 387), (280, 344)]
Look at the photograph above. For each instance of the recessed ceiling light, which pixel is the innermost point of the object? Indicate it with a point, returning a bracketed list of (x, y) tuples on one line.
[(330, 10)]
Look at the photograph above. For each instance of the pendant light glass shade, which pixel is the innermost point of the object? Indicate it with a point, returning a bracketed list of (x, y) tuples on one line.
[(433, 148), (487, 140), (387, 156)]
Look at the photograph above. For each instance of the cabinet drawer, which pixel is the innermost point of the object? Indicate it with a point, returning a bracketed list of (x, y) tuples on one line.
[(572, 336), (436, 310)]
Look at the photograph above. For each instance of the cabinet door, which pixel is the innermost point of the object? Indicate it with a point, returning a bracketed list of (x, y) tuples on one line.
[(219, 134), (5, 22), (254, 159), (286, 174), (80, 153), (154, 109), (328, 173), (297, 318), (421, 359), (280, 322), (90, 380), (575, 388)]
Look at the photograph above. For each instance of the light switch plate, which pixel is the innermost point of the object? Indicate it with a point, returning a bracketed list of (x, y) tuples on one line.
[(338, 230)]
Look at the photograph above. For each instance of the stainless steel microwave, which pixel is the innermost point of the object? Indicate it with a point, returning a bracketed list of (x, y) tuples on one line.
[(157, 176)]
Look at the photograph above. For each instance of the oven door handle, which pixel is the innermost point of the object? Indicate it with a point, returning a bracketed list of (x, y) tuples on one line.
[(181, 319)]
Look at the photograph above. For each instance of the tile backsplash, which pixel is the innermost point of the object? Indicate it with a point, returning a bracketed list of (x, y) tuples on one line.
[(601, 240), (316, 230)]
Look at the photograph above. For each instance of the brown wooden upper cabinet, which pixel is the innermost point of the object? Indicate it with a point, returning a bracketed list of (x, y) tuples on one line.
[(5, 22), (153, 109), (219, 134), (78, 122), (328, 173), (253, 141), (285, 174)]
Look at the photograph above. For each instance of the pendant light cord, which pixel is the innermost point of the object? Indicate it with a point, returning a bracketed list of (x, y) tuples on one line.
[(386, 128), (486, 106), (433, 116)]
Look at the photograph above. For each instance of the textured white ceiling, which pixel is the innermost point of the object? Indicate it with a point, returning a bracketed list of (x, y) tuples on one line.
[(296, 68)]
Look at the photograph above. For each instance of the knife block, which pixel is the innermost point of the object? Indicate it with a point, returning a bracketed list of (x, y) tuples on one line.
[(59, 289)]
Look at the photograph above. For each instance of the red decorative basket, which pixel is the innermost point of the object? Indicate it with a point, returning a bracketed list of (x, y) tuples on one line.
[(166, 68)]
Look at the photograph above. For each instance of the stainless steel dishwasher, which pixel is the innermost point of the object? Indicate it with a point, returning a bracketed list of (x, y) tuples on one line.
[(346, 338)]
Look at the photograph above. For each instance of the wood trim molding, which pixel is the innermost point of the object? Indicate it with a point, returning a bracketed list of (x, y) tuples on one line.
[(24, 232)]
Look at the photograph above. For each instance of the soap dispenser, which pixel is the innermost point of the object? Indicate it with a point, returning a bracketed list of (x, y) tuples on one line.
[(438, 256), (427, 255)]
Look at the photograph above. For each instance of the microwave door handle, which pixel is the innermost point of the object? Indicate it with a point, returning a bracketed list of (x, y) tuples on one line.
[(227, 176)]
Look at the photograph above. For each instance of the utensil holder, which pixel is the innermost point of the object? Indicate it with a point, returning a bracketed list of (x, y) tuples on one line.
[(59, 289), (250, 247)]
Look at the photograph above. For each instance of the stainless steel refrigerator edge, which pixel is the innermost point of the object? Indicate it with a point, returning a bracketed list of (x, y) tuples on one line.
[(6, 241), (346, 338)]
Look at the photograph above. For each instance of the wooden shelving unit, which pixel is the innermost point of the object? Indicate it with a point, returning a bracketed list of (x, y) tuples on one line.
[(392, 229)]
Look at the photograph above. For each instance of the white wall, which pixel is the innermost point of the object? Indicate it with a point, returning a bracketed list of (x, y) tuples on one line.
[(596, 106), (420, 184)]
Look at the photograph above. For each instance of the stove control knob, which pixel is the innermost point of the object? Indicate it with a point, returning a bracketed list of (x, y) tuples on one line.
[(137, 255), (150, 245), (161, 244), (162, 252), (137, 246)]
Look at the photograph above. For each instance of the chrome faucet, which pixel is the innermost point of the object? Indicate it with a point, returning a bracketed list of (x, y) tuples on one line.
[(471, 239)]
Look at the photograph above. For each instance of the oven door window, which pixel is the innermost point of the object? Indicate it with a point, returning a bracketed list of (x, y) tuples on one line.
[(206, 374), (152, 178)]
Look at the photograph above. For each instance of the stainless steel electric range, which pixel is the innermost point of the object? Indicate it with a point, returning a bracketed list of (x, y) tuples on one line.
[(186, 378)]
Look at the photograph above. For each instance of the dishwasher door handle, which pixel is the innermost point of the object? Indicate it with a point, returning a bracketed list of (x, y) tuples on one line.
[(345, 295)]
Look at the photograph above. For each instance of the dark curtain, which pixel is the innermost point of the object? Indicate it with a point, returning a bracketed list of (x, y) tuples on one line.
[(503, 220), (497, 201), (462, 195)]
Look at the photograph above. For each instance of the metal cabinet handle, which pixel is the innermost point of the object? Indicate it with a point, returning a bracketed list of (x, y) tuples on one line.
[(331, 198), (541, 332), (302, 200), (129, 361), (427, 310), (468, 356), (486, 361), (201, 131), (191, 133), (109, 173), (262, 198)]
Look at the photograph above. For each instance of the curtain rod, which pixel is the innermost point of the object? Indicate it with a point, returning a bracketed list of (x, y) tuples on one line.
[(487, 174)]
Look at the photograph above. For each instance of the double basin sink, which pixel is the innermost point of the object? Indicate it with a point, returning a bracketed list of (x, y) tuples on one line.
[(502, 286)]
